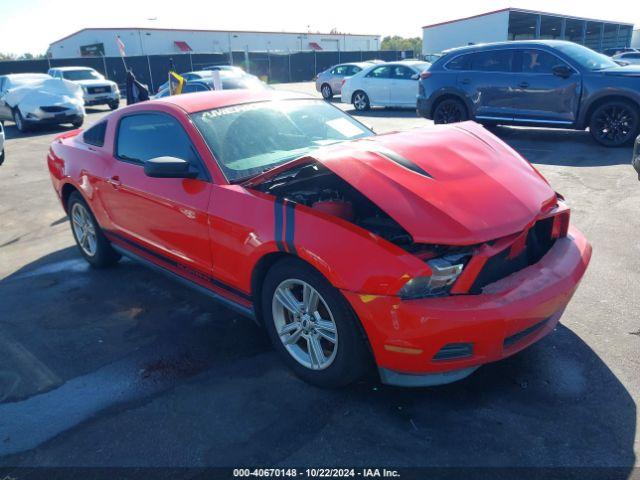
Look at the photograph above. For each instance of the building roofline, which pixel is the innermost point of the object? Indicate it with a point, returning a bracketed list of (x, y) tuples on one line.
[(524, 10), (205, 30)]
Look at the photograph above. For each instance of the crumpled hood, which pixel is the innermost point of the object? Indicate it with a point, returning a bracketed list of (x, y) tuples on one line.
[(452, 185), (45, 92)]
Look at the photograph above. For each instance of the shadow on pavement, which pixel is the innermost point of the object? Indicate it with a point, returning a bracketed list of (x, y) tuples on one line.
[(225, 399)]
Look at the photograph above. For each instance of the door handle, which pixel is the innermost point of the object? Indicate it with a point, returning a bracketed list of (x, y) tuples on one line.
[(115, 181), (524, 85)]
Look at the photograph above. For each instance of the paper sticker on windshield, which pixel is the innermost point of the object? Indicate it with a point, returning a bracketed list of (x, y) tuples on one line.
[(344, 127)]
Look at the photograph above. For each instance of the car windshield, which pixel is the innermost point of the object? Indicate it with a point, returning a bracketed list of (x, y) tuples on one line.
[(251, 138), (81, 75), (586, 57)]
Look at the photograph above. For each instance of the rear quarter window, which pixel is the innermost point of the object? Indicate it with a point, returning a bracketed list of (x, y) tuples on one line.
[(95, 135), (461, 62)]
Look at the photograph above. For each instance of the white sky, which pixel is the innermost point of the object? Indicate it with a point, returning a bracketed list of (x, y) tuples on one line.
[(30, 25)]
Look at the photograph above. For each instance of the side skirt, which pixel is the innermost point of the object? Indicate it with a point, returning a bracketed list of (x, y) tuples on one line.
[(247, 312)]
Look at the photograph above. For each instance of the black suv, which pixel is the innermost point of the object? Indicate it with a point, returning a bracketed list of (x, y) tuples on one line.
[(542, 83)]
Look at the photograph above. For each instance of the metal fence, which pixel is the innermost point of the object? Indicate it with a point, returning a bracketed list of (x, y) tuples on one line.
[(153, 69)]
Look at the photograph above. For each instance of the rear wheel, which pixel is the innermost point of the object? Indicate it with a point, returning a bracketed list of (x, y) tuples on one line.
[(614, 123), (2, 157), (93, 245), (21, 124), (326, 91), (449, 110), (78, 123), (360, 101), (114, 105), (311, 326)]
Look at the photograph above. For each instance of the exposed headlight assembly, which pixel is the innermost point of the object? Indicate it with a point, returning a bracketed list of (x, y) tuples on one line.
[(445, 271)]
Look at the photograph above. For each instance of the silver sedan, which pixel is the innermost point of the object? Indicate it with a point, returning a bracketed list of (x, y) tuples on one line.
[(329, 82)]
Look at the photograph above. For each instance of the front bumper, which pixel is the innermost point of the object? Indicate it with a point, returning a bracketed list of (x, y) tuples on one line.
[(72, 116), (101, 98), (509, 315)]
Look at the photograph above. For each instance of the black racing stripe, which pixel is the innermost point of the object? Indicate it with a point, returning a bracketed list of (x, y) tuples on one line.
[(291, 226), (277, 212), (400, 160), (181, 266)]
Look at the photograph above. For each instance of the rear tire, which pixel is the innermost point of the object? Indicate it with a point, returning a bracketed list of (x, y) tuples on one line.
[(324, 324), (78, 123), (2, 157), (114, 105), (360, 101), (93, 245), (449, 110), (327, 92), (614, 123)]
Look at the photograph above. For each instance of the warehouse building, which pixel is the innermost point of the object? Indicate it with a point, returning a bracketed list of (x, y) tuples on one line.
[(517, 24), (91, 42), (635, 40)]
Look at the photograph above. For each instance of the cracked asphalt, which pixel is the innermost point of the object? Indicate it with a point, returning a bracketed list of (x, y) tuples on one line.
[(125, 368)]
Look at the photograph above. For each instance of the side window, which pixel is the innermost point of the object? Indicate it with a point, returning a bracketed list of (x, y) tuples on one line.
[(537, 61), (2, 82), (353, 70), (144, 136), (461, 62), (340, 70), (194, 87), (493, 61), (380, 72), (95, 135), (400, 72)]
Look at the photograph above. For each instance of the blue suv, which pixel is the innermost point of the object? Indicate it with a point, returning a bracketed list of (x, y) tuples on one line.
[(542, 83)]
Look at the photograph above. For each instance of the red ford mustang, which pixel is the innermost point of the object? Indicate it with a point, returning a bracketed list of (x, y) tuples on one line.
[(430, 252)]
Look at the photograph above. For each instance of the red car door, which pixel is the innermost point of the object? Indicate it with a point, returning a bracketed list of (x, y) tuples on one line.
[(166, 217)]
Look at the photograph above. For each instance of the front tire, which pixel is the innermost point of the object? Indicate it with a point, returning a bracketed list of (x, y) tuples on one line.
[(93, 245), (360, 101), (78, 123), (326, 91), (20, 122), (2, 157), (449, 110), (312, 327), (614, 124)]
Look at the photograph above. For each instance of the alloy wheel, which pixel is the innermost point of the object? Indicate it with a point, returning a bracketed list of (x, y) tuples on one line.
[(326, 91), (360, 101), (305, 325), (84, 229), (615, 124), (448, 112)]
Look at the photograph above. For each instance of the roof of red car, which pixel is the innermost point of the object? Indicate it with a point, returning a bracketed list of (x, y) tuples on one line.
[(197, 102)]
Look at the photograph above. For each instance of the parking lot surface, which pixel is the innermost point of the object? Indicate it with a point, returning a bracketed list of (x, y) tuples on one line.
[(123, 367)]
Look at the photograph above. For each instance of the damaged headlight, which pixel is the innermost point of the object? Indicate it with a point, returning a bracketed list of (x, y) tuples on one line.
[(445, 271)]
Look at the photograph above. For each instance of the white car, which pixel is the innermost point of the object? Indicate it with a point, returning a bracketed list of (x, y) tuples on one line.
[(96, 89), (392, 84), (632, 58), (31, 99), (1, 144)]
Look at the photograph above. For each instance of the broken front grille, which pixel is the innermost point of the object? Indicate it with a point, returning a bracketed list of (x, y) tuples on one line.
[(538, 242)]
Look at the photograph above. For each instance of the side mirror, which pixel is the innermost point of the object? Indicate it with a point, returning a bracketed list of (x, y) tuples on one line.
[(562, 71), (415, 76), (168, 167)]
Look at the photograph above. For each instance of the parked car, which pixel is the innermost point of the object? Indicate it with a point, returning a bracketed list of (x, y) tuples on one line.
[(543, 83), (329, 81), (229, 82), (429, 252), (610, 52), (31, 99), (629, 58), (392, 84), (96, 89), (207, 72), (1, 143), (636, 156)]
